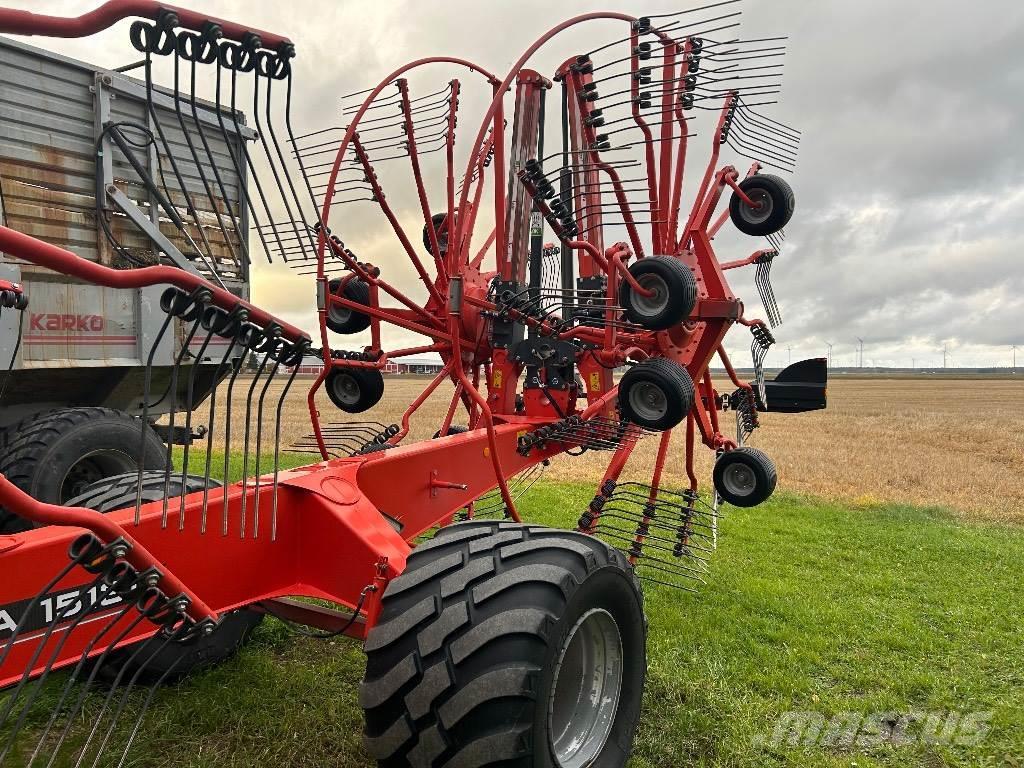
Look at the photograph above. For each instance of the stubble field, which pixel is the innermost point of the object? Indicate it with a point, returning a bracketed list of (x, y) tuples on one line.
[(952, 443)]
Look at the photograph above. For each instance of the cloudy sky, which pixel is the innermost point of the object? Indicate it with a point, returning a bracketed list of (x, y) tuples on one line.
[(910, 183)]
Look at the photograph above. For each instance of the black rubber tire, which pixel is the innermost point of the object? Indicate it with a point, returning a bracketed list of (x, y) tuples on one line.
[(676, 295), (765, 188), (8, 433), (756, 466), (40, 457), (442, 236), (119, 491), (182, 659), (175, 661), (355, 390), (453, 429), (461, 666), (349, 321), (673, 381)]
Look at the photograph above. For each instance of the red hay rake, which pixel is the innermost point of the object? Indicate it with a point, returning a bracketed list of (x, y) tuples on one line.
[(496, 642)]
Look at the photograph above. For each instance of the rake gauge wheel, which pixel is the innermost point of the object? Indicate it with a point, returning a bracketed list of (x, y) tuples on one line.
[(674, 293), (507, 644), (776, 203), (656, 394), (745, 477), (344, 320), (440, 229), (355, 390)]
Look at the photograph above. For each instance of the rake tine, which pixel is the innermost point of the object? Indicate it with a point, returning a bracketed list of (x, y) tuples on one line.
[(259, 440), (144, 421), (122, 703), (277, 443), (73, 677), (13, 698), (225, 361), (246, 439), (93, 673), (190, 404)]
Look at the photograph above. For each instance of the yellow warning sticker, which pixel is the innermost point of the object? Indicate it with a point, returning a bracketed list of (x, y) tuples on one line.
[(496, 379), (595, 382)]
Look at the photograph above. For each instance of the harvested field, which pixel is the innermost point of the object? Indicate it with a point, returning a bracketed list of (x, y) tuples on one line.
[(944, 442)]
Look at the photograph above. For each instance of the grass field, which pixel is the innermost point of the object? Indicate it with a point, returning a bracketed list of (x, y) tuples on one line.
[(809, 608)]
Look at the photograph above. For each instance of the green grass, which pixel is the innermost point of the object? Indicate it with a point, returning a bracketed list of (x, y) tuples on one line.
[(237, 465), (809, 607)]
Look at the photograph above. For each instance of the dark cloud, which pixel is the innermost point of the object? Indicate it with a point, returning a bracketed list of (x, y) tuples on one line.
[(910, 196)]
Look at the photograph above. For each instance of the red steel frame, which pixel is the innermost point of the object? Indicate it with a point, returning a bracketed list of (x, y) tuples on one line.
[(338, 530)]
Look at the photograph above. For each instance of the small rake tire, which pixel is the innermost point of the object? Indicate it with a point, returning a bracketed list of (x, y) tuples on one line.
[(656, 394), (355, 390), (745, 477), (464, 667), (777, 200), (675, 293), (348, 321), (173, 662)]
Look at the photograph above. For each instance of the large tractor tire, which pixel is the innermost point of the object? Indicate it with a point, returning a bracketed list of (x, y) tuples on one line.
[(507, 645), (172, 662), (57, 455)]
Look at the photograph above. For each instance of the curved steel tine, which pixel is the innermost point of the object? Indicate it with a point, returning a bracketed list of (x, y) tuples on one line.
[(73, 678), (245, 443), (173, 392), (259, 446), (226, 477), (83, 693), (198, 163), (161, 643), (210, 429), (59, 617), (144, 421), (243, 245), (190, 405), (277, 448)]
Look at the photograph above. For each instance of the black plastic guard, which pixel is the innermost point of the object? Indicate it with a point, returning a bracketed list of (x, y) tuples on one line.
[(798, 388)]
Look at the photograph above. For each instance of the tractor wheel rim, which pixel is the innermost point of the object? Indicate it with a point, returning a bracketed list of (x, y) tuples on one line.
[(655, 304), (739, 480), (347, 389), (586, 690), (757, 215), (648, 401), (93, 467)]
